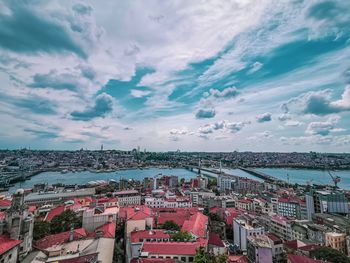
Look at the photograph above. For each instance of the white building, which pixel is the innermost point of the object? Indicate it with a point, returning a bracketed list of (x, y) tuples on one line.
[(225, 182), (178, 202), (244, 227), (128, 197)]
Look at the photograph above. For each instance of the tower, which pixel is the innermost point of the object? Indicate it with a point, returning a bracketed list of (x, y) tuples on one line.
[(20, 224)]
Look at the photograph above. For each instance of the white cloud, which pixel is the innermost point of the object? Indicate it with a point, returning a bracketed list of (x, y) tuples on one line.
[(139, 93)]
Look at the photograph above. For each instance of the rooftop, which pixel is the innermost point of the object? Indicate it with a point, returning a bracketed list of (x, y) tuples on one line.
[(137, 236), (6, 243), (170, 248), (197, 225)]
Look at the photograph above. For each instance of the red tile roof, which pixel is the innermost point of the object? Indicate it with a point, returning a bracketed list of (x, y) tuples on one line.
[(137, 236), (170, 248), (237, 259), (107, 229), (274, 238), (54, 212), (60, 238), (6, 244), (310, 247), (197, 225), (135, 213), (5, 202), (302, 259), (294, 244), (152, 260), (215, 240)]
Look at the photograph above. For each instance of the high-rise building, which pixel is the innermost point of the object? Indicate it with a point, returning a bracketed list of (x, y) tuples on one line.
[(326, 202)]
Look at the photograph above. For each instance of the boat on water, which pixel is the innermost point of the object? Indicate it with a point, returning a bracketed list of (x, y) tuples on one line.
[(64, 171)]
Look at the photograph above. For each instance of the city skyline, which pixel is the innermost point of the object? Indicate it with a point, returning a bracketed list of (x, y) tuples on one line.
[(168, 75)]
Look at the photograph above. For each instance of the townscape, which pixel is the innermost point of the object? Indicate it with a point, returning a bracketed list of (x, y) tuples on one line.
[(177, 131), (212, 217)]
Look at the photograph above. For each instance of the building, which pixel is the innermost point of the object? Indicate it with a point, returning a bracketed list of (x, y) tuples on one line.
[(215, 245), (259, 249), (128, 197), (98, 216), (198, 196), (277, 247), (19, 224), (301, 259), (177, 202), (282, 227), (77, 245), (245, 204), (291, 207), (136, 218), (316, 233), (138, 237), (225, 182), (184, 251), (244, 227), (326, 202), (336, 241), (197, 225), (335, 223), (53, 198), (9, 249)]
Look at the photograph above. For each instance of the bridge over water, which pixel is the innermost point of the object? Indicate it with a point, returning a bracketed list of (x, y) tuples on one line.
[(253, 172)]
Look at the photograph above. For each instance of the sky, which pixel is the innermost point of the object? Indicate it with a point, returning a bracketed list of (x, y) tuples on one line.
[(165, 75)]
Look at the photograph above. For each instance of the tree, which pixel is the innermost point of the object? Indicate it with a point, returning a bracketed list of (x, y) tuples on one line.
[(41, 229), (64, 222), (171, 225), (215, 217), (329, 254), (201, 256), (182, 236)]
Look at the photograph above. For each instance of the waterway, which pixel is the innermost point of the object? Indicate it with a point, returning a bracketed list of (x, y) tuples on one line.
[(86, 176), (300, 176)]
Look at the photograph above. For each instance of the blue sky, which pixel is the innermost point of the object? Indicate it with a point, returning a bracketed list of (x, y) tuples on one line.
[(167, 75)]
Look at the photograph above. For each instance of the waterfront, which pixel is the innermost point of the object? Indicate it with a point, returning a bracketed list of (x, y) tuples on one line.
[(86, 176), (302, 176)]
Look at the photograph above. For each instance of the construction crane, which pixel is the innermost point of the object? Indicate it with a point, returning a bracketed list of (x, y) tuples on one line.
[(336, 179)]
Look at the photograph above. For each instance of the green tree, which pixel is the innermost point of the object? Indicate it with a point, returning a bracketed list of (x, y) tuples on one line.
[(220, 259), (201, 256), (329, 254), (41, 229), (215, 217), (171, 225), (64, 222), (182, 236)]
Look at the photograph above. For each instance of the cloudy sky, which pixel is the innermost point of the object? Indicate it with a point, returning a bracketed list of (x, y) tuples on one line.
[(166, 75)]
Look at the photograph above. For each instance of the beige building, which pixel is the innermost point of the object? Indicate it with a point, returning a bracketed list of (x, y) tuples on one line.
[(336, 241), (98, 216)]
